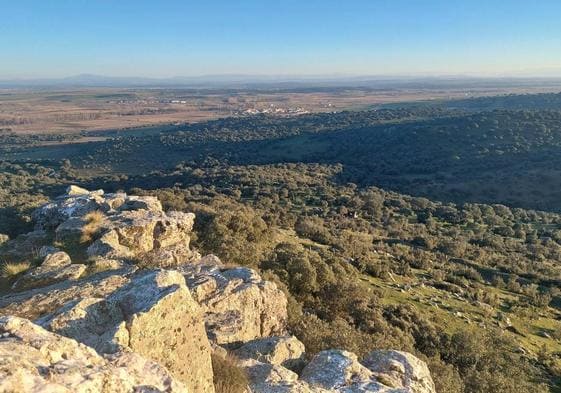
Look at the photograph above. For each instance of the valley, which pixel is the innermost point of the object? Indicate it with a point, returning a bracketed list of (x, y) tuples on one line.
[(430, 229)]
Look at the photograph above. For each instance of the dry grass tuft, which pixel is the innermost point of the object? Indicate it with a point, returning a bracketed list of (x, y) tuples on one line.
[(11, 269), (228, 376), (89, 231)]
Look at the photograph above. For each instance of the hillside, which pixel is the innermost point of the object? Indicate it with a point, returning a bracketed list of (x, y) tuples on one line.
[(426, 230), (108, 296)]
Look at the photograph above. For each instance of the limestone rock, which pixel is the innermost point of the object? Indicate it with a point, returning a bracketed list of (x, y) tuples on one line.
[(135, 202), (25, 246), (108, 247), (238, 304), (130, 226), (168, 257), (266, 373), (73, 190), (35, 360), (271, 378), (94, 322), (138, 232), (335, 369), (401, 370), (153, 315), (71, 230), (49, 274), (56, 259), (285, 351), (53, 214), (39, 302)]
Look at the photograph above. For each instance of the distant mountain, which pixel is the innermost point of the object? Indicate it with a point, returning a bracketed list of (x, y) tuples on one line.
[(280, 81)]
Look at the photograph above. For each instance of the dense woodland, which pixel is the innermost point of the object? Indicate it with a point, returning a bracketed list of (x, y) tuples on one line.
[(427, 229)]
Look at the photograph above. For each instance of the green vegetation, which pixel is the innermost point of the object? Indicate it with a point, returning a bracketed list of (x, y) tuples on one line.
[(414, 229)]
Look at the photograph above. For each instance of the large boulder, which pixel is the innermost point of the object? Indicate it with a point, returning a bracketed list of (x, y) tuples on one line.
[(119, 226), (238, 304), (380, 372), (51, 215), (92, 321), (137, 232), (153, 315), (401, 370), (336, 369), (56, 259), (35, 360), (285, 351)]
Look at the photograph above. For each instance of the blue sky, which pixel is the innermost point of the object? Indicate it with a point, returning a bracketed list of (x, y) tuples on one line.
[(182, 38)]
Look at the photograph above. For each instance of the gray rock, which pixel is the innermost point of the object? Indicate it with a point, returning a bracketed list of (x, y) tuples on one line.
[(153, 315), (73, 190), (46, 275), (51, 215), (286, 351), (400, 370), (38, 302), (266, 373), (57, 259), (238, 304), (134, 233), (35, 360), (149, 203), (335, 369)]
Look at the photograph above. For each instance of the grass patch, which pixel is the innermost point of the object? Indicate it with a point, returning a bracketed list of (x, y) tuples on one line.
[(93, 225), (228, 376), (9, 270)]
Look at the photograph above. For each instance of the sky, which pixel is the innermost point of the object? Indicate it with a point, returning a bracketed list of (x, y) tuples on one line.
[(166, 38)]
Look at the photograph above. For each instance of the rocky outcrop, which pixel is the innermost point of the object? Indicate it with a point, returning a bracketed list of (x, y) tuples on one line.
[(119, 226), (147, 311), (38, 302), (35, 360), (72, 204), (131, 233), (238, 304), (285, 351), (153, 315), (340, 371), (24, 246)]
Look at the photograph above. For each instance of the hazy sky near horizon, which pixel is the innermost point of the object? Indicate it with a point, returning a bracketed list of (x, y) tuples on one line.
[(354, 37)]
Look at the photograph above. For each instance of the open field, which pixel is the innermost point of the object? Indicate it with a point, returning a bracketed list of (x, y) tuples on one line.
[(25, 111)]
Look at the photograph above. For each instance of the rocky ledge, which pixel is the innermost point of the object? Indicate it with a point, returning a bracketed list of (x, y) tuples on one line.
[(120, 303)]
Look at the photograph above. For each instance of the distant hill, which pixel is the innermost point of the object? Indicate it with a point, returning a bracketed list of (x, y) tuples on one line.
[(282, 81)]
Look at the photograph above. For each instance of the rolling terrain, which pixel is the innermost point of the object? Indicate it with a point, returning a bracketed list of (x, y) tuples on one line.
[(434, 229)]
